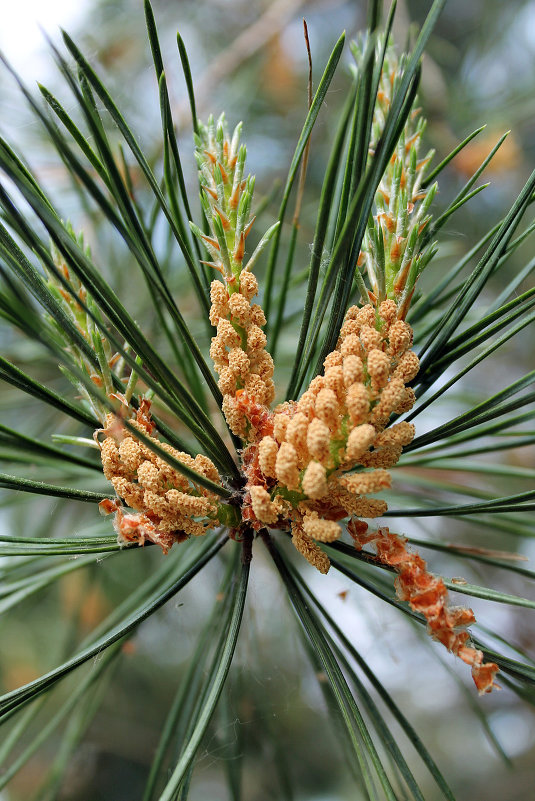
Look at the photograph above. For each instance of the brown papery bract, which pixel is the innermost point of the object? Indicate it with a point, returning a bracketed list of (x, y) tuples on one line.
[(427, 594)]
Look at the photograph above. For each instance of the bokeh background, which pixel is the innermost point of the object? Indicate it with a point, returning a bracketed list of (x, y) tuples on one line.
[(248, 59)]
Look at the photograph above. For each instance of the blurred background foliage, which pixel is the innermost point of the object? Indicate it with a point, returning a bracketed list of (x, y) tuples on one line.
[(248, 59)]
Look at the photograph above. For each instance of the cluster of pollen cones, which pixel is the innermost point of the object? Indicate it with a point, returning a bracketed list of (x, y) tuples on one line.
[(307, 465), (168, 508), (316, 460)]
